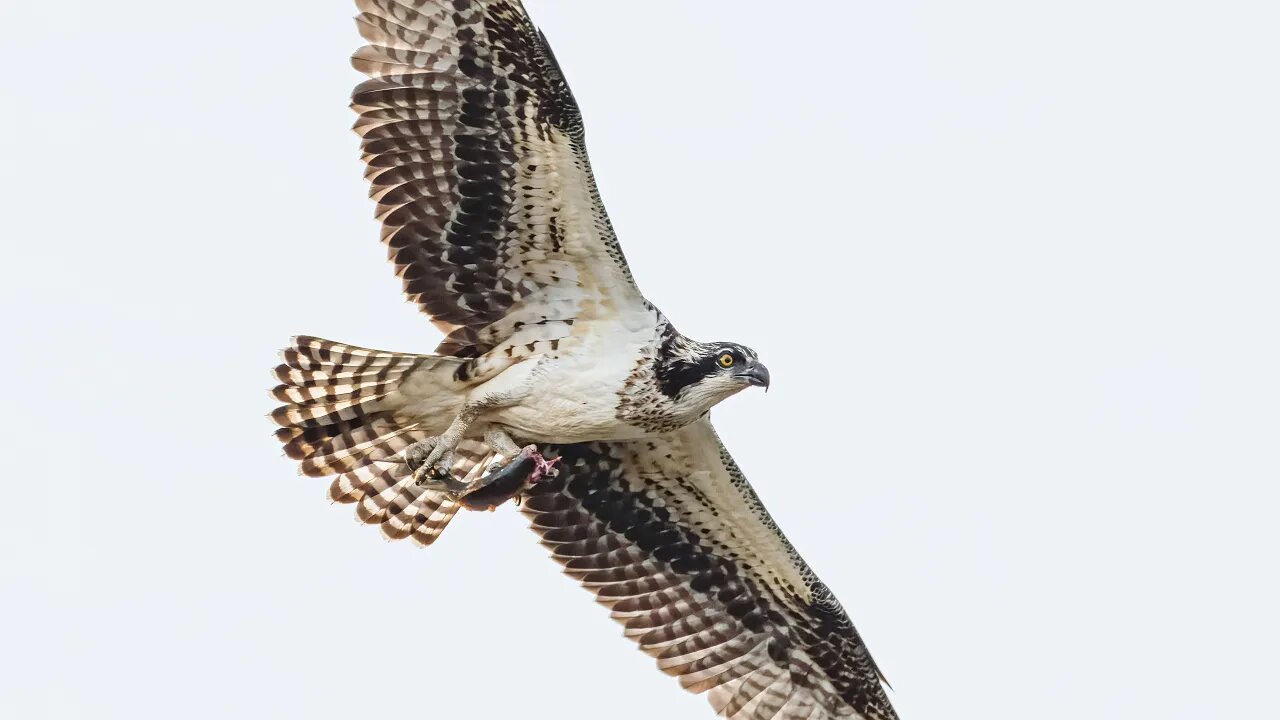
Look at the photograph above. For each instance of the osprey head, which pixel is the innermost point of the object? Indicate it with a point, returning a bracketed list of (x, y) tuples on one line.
[(697, 375)]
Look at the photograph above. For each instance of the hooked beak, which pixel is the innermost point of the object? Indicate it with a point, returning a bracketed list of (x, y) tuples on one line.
[(756, 374)]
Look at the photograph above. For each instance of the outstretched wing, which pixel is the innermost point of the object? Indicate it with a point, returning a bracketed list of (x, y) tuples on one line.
[(476, 156), (669, 534)]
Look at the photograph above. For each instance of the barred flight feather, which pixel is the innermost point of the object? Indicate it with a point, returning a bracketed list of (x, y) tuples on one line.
[(343, 417), (476, 158), (666, 533)]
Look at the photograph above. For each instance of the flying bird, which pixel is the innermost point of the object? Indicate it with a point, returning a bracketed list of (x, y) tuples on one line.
[(557, 383)]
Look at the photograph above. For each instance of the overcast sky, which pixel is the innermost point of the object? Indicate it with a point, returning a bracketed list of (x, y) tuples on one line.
[(1013, 265)]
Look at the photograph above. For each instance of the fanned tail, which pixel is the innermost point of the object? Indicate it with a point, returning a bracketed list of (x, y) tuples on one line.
[(346, 413)]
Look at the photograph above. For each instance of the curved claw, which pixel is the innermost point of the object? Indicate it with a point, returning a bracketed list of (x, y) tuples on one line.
[(417, 454), (429, 461)]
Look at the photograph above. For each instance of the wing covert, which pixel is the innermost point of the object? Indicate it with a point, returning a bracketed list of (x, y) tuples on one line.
[(476, 158), (669, 535)]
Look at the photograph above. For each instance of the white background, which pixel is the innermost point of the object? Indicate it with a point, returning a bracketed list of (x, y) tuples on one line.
[(1013, 266)]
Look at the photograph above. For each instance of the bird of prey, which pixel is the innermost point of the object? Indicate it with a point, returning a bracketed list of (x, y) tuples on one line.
[(557, 383)]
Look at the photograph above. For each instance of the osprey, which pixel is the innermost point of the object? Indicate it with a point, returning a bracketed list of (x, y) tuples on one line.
[(557, 383)]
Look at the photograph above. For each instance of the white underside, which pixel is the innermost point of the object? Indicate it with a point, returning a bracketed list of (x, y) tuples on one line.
[(565, 396), (571, 395)]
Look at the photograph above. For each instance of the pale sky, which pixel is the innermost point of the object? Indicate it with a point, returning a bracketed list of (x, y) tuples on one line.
[(1013, 266)]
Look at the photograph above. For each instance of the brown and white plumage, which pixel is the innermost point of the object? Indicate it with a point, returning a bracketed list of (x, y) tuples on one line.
[(667, 532), (476, 157), (343, 418), (477, 162)]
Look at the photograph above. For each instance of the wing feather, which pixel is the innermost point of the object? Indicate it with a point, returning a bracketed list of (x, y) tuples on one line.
[(667, 533), (477, 161)]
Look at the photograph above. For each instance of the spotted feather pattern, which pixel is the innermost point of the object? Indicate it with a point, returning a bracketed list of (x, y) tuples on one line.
[(344, 415), (476, 158), (669, 535)]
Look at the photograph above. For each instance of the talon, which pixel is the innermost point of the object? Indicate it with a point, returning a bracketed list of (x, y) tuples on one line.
[(431, 458), (418, 453)]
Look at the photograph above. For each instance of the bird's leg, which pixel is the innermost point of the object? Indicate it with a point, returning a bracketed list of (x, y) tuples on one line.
[(431, 459), (500, 442)]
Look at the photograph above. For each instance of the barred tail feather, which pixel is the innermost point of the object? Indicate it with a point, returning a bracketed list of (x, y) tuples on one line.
[(346, 414)]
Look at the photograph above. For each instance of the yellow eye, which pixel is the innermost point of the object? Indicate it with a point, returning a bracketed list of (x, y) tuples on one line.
[(726, 360)]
